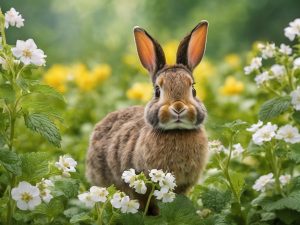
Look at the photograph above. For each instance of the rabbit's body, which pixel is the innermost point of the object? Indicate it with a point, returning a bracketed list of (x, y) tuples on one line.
[(123, 140), (167, 134)]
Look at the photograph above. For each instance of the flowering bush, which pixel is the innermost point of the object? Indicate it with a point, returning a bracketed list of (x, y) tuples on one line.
[(252, 176)]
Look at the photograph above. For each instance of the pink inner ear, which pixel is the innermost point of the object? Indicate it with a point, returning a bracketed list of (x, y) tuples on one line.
[(196, 46), (145, 50)]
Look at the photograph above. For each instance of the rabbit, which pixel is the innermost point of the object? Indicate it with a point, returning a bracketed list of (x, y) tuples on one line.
[(167, 134)]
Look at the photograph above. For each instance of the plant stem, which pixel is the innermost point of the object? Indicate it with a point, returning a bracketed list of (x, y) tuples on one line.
[(149, 199)]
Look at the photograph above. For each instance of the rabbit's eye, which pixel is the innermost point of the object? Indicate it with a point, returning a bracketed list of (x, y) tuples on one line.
[(194, 91), (157, 92)]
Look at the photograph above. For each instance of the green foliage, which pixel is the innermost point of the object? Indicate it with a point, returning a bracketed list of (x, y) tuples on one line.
[(216, 200), (238, 182), (44, 126), (66, 187), (274, 107), (10, 161), (35, 166)]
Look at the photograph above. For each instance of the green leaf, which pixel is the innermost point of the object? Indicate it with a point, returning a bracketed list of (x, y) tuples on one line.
[(274, 107), (52, 209), (266, 216), (44, 126), (46, 90), (215, 200), (10, 161), (34, 166), (294, 153), (296, 116), (238, 181), (67, 187), (130, 219), (82, 217), (292, 201), (288, 216), (7, 92)]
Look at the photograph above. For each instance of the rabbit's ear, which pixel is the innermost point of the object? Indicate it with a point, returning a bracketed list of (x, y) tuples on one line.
[(191, 49), (150, 52)]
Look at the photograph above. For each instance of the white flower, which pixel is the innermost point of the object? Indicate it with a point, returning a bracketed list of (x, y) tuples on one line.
[(157, 175), (45, 193), (164, 195), (98, 194), (284, 179), (289, 134), (248, 70), (216, 146), (129, 206), (296, 98), (86, 198), (168, 183), (255, 64), (263, 182), (268, 51), (255, 127), (293, 30), (66, 164), (262, 78), (296, 63), (278, 70), (28, 53), (140, 186), (129, 176), (237, 149), (26, 196), (116, 200), (265, 133), (13, 18), (285, 49)]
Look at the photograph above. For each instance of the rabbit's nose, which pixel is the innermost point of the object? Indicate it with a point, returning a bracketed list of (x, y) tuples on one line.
[(178, 111), (178, 107)]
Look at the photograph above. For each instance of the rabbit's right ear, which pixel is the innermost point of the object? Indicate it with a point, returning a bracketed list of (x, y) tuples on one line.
[(150, 52)]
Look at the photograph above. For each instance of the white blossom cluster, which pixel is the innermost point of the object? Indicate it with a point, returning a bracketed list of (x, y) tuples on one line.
[(265, 133), (24, 51), (217, 147), (95, 194), (28, 196), (293, 30), (267, 181), (124, 203), (66, 164), (295, 95), (165, 181)]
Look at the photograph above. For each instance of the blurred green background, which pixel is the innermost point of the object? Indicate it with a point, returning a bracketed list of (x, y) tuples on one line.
[(91, 57), (101, 30)]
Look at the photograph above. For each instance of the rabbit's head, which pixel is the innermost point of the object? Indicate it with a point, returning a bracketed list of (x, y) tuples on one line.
[(174, 104)]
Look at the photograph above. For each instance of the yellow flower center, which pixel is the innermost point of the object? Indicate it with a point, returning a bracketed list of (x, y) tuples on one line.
[(26, 197), (27, 53)]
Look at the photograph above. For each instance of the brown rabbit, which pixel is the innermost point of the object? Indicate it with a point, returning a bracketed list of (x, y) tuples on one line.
[(168, 133)]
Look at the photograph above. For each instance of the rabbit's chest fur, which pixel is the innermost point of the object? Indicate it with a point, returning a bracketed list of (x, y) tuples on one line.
[(124, 140)]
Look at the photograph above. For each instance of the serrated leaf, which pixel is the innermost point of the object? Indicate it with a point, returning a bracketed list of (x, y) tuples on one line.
[(274, 107), (296, 116), (10, 161), (44, 126), (46, 90), (34, 166), (7, 92), (294, 153), (130, 219), (66, 187), (288, 216), (238, 181), (51, 209), (215, 200), (292, 201)]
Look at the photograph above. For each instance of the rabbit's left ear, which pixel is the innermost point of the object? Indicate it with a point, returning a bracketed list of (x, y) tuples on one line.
[(191, 49), (149, 50)]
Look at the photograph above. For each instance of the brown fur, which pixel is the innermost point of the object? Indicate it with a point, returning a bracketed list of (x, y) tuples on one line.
[(151, 137)]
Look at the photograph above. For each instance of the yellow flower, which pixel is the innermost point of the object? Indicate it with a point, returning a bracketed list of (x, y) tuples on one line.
[(140, 91), (231, 86), (170, 50), (233, 60), (101, 72), (83, 78), (57, 77)]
